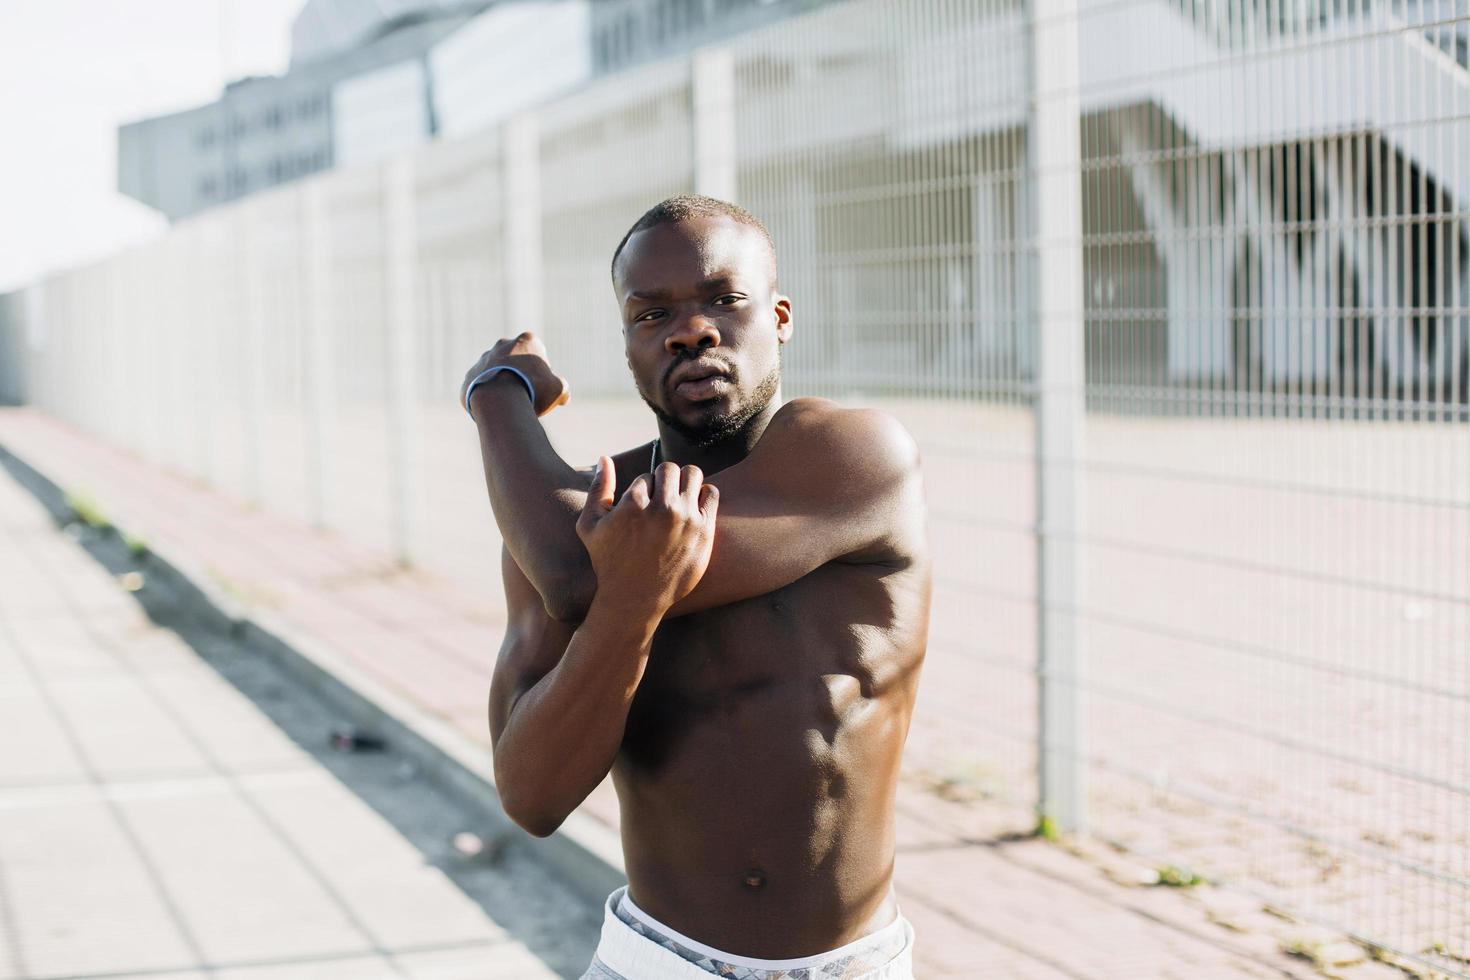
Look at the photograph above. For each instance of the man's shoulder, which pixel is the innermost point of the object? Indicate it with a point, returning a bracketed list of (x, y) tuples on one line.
[(860, 463), (870, 439)]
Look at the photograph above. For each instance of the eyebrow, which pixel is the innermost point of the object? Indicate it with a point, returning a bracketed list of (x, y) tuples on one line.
[(719, 282)]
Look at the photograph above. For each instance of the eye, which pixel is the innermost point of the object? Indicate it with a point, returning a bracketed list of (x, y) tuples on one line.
[(728, 299), (648, 316)]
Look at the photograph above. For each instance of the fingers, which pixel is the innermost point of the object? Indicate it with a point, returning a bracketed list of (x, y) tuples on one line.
[(599, 497), (530, 343), (563, 394), (709, 501), (691, 478), (666, 485), (670, 487), (637, 494), (600, 494)]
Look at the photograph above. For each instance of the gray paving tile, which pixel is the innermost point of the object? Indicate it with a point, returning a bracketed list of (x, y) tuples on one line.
[(231, 731), (239, 889), (81, 898), (399, 899), (158, 652), (33, 745), (122, 731)]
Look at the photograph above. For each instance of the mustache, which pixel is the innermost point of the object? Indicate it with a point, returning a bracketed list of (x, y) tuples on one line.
[(682, 358)]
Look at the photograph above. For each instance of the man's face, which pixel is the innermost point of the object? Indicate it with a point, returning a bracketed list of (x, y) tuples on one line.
[(702, 324)]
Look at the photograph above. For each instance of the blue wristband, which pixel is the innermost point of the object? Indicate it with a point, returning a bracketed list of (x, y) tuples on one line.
[(489, 373)]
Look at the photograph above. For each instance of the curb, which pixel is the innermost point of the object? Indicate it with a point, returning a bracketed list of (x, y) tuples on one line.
[(584, 852)]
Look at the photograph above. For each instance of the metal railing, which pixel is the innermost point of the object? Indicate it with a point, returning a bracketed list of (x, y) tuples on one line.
[(1182, 326)]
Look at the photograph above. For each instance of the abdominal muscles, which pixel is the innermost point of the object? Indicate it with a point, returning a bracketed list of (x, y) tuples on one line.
[(773, 800)]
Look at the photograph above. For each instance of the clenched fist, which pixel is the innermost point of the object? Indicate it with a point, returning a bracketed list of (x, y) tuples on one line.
[(651, 549), (527, 355)]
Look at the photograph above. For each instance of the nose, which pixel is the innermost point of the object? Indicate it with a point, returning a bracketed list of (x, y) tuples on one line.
[(692, 333)]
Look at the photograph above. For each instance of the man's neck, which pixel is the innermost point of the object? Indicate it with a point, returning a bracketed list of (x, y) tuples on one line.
[(675, 448)]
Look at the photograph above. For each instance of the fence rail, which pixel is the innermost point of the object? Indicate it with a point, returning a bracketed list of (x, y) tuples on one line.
[(1175, 297)]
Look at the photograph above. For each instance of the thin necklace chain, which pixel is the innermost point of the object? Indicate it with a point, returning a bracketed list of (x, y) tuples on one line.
[(653, 457)]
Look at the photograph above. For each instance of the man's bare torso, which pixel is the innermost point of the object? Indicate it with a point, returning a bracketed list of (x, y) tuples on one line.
[(761, 754)]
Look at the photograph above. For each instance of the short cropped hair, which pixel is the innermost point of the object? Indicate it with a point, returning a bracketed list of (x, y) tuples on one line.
[(687, 206)]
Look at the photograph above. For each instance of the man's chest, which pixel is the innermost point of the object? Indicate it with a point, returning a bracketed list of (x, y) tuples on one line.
[(817, 625), (756, 678)]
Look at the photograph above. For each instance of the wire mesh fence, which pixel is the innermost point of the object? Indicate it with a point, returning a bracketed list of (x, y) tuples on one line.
[(1227, 607)]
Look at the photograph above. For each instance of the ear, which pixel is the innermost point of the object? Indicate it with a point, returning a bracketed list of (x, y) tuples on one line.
[(783, 319)]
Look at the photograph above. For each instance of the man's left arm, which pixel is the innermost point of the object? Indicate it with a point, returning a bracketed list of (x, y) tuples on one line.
[(825, 483), (535, 495)]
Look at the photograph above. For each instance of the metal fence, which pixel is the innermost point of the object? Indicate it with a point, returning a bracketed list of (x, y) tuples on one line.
[(1173, 294)]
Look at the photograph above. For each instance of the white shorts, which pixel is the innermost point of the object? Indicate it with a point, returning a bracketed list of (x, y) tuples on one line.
[(635, 946)]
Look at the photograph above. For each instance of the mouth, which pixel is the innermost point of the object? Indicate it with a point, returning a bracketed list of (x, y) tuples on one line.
[(699, 382)]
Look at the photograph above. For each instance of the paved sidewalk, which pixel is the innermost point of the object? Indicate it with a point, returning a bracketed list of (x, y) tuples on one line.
[(154, 822), (987, 900)]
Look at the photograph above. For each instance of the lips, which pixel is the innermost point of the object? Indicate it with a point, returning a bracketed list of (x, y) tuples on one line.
[(698, 381)]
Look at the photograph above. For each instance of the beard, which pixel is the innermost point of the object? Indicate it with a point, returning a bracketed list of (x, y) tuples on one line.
[(715, 429)]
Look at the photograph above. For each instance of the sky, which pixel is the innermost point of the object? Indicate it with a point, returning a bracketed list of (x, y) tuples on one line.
[(70, 72)]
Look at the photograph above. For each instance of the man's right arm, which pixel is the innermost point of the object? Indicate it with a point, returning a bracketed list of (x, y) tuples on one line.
[(559, 706)]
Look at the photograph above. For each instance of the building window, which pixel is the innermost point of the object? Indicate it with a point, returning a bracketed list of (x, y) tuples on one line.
[(273, 117), (206, 187), (204, 139)]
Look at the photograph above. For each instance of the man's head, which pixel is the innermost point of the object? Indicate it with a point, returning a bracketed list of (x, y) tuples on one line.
[(703, 322)]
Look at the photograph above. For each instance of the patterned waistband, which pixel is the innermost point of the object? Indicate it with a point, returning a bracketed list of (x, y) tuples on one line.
[(883, 955)]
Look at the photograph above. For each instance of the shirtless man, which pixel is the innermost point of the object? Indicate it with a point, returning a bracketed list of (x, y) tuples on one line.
[(730, 618)]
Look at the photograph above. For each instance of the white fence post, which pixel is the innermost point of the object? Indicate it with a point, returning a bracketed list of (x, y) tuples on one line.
[(1054, 144), (522, 187), (400, 259), (202, 312), (320, 395), (248, 232), (713, 125)]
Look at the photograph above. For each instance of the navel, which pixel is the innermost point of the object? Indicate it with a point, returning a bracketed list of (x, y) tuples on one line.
[(754, 879)]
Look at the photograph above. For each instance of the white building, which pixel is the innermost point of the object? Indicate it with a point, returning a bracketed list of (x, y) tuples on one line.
[(266, 131), (369, 79)]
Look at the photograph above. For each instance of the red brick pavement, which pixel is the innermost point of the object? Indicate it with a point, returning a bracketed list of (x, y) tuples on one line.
[(986, 900)]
